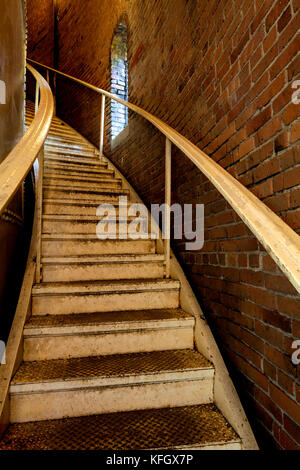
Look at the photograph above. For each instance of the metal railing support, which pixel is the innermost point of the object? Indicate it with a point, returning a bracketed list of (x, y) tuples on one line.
[(167, 222), (102, 122), (39, 202)]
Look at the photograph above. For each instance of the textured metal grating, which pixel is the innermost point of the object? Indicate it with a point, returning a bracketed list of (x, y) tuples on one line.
[(107, 317), (118, 364), (162, 428)]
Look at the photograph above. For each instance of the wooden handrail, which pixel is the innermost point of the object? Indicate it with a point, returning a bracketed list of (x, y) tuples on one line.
[(279, 240), (19, 161)]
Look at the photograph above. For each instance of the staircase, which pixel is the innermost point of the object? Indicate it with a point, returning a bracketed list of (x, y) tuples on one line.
[(109, 360)]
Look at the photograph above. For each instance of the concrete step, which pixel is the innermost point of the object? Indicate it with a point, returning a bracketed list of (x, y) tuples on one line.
[(108, 384), (60, 191), (84, 245), (81, 224), (93, 268), (200, 427), (104, 296), (86, 182), (93, 334)]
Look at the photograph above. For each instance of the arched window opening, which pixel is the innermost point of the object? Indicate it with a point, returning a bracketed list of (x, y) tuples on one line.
[(119, 79)]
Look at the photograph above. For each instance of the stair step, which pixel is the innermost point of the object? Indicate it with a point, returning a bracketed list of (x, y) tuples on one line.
[(63, 158), (73, 171), (52, 137), (64, 135), (69, 177), (201, 427), (102, 384), (105, 296), (83, 245), (59, 191), (50, 144), (88, 224), (93, 334), (93, 268), (72, 207), (79, 162), (100, 167), (61, 128), (82, 182), (61, 151)]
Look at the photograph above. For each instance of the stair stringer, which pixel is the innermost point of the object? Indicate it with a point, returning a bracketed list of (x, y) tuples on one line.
[(225, 394)]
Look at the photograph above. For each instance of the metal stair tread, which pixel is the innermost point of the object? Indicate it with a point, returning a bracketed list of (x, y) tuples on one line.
[(106, 318), (199, 426), (117, 365)]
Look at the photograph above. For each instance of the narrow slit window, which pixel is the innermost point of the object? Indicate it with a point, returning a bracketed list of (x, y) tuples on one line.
[(119, 80)]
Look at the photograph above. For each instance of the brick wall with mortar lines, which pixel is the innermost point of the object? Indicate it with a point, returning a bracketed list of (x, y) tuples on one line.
[(220, 72)]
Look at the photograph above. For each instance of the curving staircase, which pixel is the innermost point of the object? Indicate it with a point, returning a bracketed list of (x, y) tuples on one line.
[(108, 353)]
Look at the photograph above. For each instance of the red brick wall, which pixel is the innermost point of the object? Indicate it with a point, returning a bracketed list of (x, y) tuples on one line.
[(220, 72)]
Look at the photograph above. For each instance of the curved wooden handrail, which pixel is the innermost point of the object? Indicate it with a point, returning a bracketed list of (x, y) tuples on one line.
[(279, 240), (19, 161)]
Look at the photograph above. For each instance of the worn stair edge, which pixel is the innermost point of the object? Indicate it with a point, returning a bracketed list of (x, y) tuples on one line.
[(94, 259), (116, 286)]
